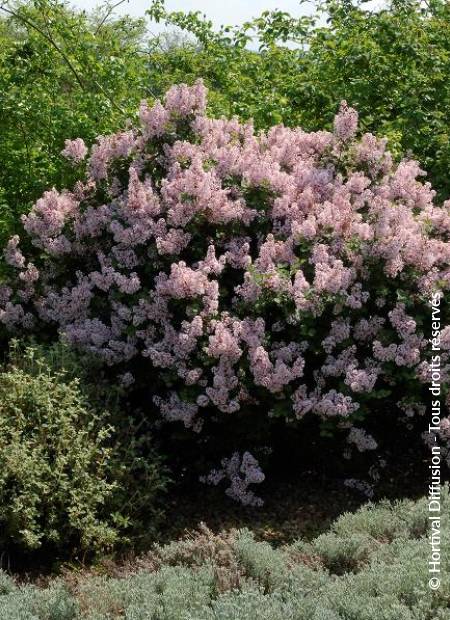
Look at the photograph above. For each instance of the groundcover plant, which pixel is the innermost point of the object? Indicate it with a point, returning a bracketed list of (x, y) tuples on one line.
[(370, 565)]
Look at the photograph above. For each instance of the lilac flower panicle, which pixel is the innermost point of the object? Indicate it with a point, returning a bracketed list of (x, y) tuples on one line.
[(241, 472), (75, 150)]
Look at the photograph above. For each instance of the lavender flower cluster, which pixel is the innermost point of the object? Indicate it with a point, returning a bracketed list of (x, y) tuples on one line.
[(240, 472), (283, 271)]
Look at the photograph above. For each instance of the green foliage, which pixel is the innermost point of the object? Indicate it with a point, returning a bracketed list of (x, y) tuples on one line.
[(66, 481), (391, 64), (63, 74), (31, 603), (389, 582), (407, 520), (354, 538), (7, 584), (260, 562)]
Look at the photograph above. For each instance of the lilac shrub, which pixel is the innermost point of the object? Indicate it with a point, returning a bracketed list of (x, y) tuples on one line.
[(285, 273)]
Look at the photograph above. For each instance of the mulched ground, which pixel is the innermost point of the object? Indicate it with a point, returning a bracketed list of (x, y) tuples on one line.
[(301, 508)]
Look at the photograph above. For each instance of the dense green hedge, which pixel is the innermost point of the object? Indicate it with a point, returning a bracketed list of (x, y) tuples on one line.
[(371, 565)]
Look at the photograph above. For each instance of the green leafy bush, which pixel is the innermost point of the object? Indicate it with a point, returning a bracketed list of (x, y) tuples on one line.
[(389, 582), (65, 478)]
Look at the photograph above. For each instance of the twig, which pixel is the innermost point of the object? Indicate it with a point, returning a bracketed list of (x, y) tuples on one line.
[(110, 9)]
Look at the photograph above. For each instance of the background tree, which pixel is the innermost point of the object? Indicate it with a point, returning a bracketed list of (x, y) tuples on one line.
[(63, 74)]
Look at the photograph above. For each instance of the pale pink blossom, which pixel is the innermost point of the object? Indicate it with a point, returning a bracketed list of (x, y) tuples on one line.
[(75, 150)]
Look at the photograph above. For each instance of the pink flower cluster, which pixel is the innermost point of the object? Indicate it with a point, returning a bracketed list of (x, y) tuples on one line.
[(361, 439), (75, 150), (280, 270), (240, 472)]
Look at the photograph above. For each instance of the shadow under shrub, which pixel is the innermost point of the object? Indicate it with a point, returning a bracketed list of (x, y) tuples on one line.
[(68, 481)]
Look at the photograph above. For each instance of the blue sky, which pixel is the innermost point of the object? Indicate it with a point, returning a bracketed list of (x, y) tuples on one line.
[(219, 11)]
